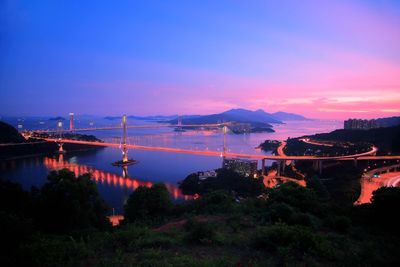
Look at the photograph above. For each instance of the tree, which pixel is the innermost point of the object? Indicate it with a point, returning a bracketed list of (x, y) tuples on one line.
[(385, 203), (304, 199), (15, 221), (68, 203), (227, 180), (148, 204)]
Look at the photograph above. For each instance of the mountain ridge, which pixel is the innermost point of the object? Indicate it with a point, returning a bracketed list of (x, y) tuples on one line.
[(257, 117)]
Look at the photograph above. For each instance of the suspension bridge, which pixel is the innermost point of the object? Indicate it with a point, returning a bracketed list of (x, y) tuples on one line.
[(281, 158)]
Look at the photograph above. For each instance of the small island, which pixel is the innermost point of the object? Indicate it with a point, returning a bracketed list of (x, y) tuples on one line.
[(270, 145)]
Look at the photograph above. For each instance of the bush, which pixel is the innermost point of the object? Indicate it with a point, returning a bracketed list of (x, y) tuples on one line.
[(280, 212), (55, 251), (297, 239), (338, 223), (296, 196), (212, 203), (148, 204), (199, 232)]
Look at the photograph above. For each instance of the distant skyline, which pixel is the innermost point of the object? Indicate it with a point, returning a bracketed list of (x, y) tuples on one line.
[(321, 59)]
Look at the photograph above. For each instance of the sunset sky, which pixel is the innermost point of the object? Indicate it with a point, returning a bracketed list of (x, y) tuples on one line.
[(322, 59)]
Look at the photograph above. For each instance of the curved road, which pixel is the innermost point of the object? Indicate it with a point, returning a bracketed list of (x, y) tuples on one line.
[(369, 185), (394, 181), (280, 149), (281, 153), (308, 141)]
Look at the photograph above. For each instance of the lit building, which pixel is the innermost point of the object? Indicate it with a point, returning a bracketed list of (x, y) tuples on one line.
[(360, 124), (71, 121), (206, 174), (247, 168)]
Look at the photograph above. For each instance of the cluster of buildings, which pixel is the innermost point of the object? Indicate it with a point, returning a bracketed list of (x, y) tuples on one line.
[(244, 167), (240, 127), (360, 124)]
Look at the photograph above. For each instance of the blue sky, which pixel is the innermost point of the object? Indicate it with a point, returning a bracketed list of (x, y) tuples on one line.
[(327, 59)]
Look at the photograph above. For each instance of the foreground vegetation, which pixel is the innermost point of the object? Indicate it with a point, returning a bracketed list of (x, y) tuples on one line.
[(64, 224)]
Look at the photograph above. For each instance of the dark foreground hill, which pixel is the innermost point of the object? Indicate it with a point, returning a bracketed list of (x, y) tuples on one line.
[(9, 134), (14, 145), (64, 224)]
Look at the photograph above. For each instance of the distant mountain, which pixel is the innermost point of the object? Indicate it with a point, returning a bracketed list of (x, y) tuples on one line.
[(112, 118), (243, 115), (284, 116), (153, 118), (259, 117), (57, 119), (157, 118)]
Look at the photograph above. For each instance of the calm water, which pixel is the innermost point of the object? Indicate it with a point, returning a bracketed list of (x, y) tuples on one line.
[(115, 185)]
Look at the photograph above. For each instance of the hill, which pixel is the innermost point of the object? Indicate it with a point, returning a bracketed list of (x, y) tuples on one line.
[(388, 122), (284, 116), (386, 139), (258, 118), (59, 118), (9, 134), (288, 225), (244, 115)]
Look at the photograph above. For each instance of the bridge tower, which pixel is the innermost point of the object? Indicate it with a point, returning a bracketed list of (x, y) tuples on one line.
[(71, 121), (179, 121), (124, 148), (60, 147), (179, 129), (179, 125), (125, 160), (224, 150), (225, 130), (224, 146), (59, 141)]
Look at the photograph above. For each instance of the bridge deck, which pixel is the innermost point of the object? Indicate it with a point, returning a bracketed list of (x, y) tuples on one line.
[(130, 127), (361, 156)]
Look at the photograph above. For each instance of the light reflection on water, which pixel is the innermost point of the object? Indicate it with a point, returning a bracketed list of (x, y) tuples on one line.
[(111, 179)]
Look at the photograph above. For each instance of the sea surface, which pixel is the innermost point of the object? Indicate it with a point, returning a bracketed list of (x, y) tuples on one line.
[(115, 184)]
